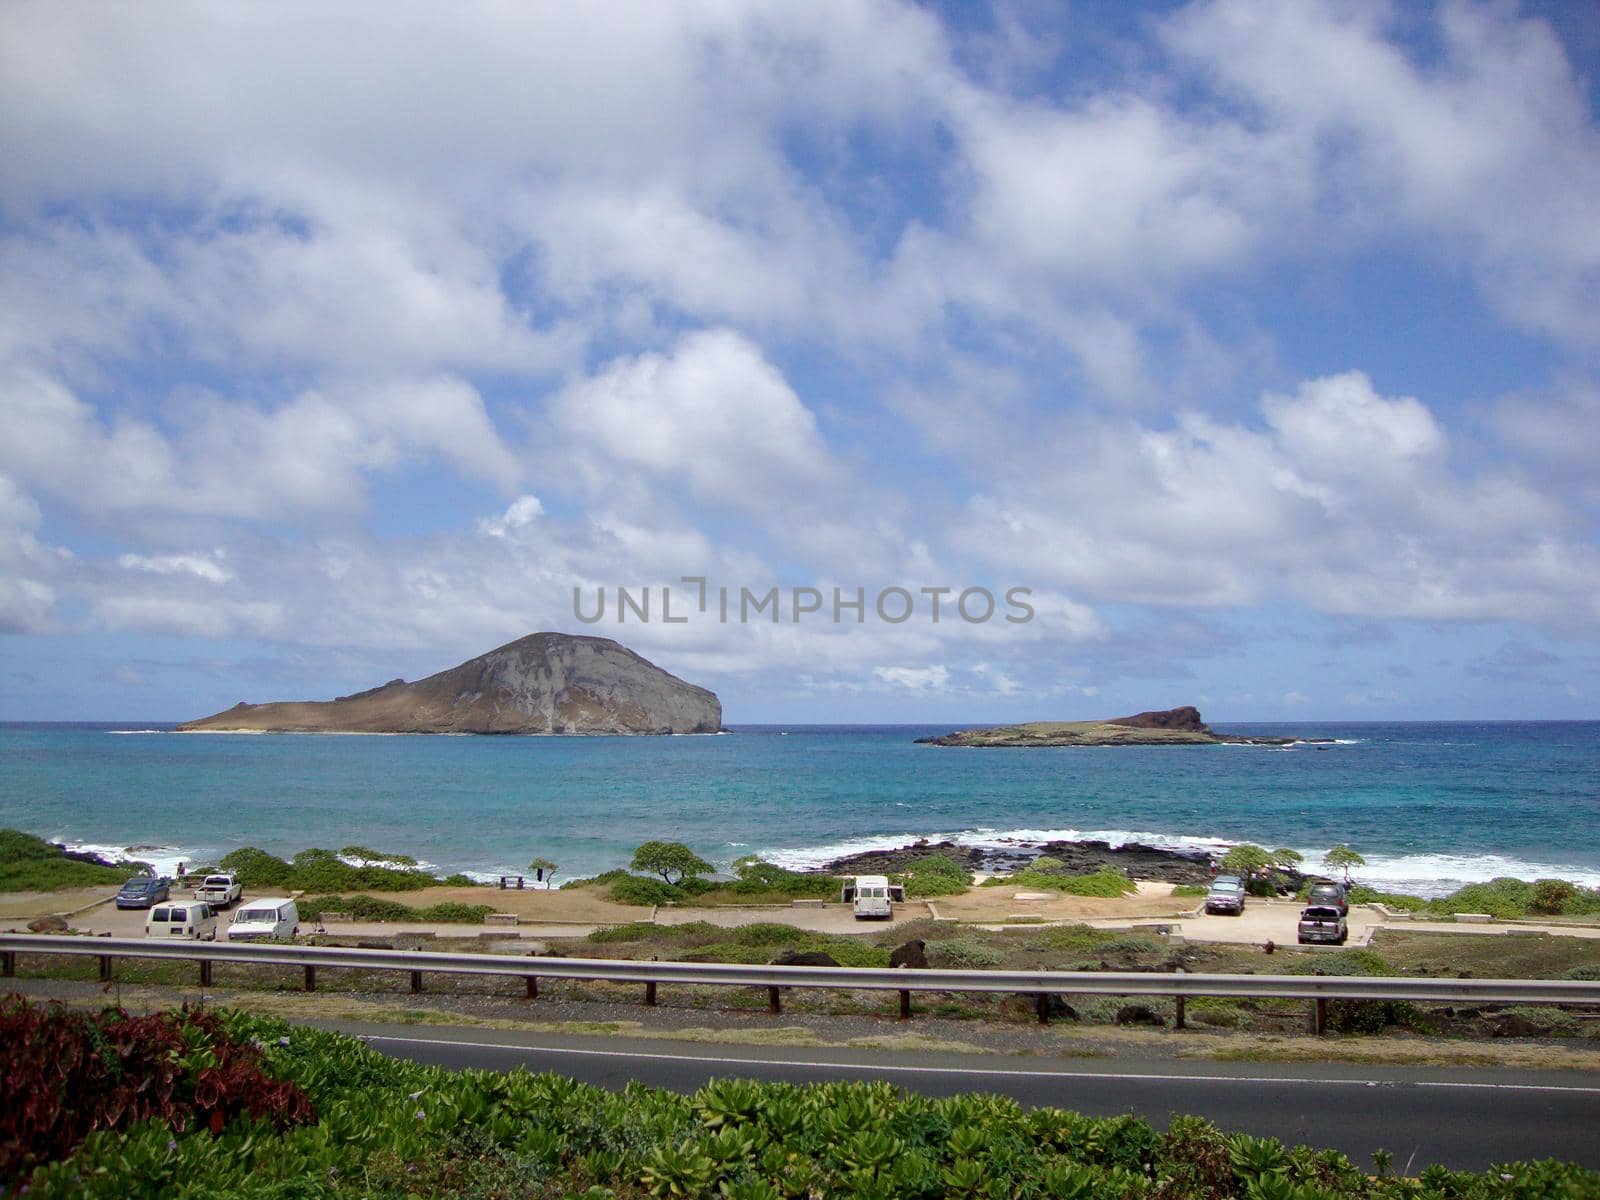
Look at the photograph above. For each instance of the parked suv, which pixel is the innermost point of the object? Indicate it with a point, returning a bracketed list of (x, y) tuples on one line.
[(1329, 893), (1323, 923), (1226, 895)]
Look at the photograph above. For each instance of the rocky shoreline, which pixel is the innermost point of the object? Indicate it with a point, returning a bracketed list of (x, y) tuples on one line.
[(1134, 859), (1168, 727)]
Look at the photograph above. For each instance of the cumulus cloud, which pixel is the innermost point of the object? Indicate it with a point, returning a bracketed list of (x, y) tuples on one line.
[(1344, 499)]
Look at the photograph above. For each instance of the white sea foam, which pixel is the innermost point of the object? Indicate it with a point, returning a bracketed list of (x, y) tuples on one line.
[(164, 859)]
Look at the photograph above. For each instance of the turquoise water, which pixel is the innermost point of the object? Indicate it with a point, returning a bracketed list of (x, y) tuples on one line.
[(1429, 805)]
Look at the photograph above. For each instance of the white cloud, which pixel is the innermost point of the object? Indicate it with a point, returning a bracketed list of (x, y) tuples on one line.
[(1345, 500), (521, 512), (311, 453), (206, 567), (713, 416), (914, 679)]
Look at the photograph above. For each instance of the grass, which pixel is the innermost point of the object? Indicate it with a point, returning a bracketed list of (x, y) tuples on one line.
[(1107, 884), (31, 864)]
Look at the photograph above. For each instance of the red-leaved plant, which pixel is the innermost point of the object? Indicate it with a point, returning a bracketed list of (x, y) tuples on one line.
[(64, 1074)]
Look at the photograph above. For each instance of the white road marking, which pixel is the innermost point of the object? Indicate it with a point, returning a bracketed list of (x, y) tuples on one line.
[(721, 1060)]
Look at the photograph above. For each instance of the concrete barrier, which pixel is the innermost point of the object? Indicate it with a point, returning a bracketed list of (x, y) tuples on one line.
[(1474, 918)]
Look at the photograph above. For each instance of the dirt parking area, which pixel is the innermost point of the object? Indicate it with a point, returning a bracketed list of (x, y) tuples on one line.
[(1152, 901)]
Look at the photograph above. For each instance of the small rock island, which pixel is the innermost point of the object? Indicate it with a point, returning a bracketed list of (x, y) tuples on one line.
[(545, 683), (1169, 727)]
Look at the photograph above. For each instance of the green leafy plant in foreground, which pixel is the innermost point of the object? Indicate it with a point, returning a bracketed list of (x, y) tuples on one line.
[(388, 1128)]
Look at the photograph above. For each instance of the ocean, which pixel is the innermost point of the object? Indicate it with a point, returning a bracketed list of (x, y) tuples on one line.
[(1430, 806)]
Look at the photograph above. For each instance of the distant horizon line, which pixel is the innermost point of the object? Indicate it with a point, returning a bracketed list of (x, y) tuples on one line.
[(149, 723)]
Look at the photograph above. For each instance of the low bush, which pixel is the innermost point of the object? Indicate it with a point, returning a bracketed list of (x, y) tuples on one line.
[(1504, 897), (31, 864), (1357, 961), (643, 891), (935, 875), (1217, 1011), (762, 880), (1186, 890), (392, 1128), (69, 1073), (321, 871), (373, 908), (1361, 894), (1374, 1016), (1550, 896), (964, 954)]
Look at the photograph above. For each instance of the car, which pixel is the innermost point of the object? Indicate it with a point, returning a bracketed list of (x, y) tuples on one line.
[(265, 921), (1323, 923), (1226, 895), (142, 891), (1329, 893)]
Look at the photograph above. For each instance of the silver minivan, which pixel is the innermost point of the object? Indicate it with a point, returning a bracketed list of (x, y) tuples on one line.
[(192, 919)]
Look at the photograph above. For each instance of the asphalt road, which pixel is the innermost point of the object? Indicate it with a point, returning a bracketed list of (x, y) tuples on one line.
[(1464, 1119)]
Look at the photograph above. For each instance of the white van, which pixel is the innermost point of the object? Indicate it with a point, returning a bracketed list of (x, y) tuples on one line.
[(182, 918), (265, 920), (869, 896)]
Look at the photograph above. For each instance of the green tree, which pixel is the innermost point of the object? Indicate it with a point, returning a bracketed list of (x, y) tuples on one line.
[(1342, 858), (669, 859), (1286, 859), (366, 856), (1246, 859), (544, 868)]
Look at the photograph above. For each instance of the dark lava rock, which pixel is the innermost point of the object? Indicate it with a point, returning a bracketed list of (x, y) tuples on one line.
[(1186, 719), (48, 924), (912, 954), (1139, 1014), (1517, 1026), (804, 958)]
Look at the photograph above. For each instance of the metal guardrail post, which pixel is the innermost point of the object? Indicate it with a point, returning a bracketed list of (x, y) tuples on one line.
[(1041, 1004), (105, 968), (532, 982), (650, 993), (905, 1004), (416, 981), (205, 972), (8, 963), (774, 1004), (311, 978), (1178, 1012)]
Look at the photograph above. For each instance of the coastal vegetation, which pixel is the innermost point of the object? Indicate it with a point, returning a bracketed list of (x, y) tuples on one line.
[(1097, 883), (31, 864), (249, 1106), (323, 871)]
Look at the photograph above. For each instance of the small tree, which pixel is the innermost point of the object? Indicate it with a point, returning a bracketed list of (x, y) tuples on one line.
[(1246, 859), (1342, 858), (669, 859), (1286, 859), (543, 868)]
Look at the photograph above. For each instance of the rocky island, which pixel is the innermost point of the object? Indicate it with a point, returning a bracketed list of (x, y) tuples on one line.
[(1169, 727), (545, 683)]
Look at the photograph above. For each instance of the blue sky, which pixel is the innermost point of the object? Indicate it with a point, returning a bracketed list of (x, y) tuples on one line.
[(1259, 341)]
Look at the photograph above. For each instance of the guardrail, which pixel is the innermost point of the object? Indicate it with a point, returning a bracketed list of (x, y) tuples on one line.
[(1318, 989)]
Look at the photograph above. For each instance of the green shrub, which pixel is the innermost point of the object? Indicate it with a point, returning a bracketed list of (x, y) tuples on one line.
[(964, 954), (390, 1127), (1110, 884), (633, 931), (1357, 961), (1374, 1016), (935, 875), (1074, 938), (1504, 897), (640, 890), (373, 908), (1550, 896), (320, 871), (1588, 971), (1585, 902), (1189, 889), (1361, 894), (1217, 1011), (758, 878), (31, 864)]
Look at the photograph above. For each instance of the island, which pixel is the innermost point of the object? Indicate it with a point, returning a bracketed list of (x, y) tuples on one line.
[(545, 683), (1168, 727)]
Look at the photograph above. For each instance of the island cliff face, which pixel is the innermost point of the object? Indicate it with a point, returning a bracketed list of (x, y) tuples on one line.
[(546, 683), (1168, 727)]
